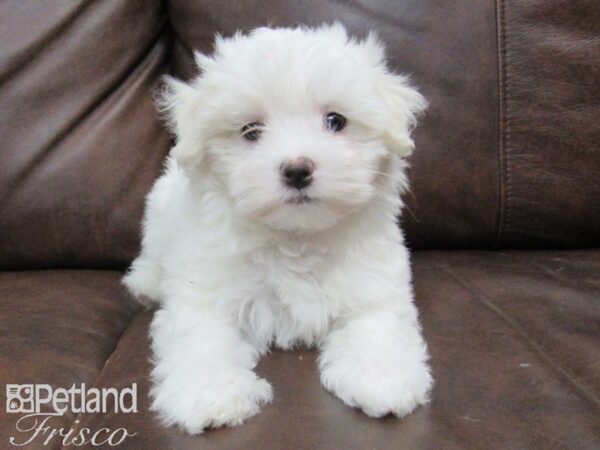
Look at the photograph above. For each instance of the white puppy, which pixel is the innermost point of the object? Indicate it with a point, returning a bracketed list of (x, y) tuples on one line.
[(275, 223)]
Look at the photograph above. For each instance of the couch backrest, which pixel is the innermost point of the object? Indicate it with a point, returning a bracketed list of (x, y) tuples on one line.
[(508, 154), (80, 143)]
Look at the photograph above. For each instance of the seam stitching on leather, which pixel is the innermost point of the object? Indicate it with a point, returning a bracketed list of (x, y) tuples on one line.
[(74, 426), (507, 127), (503, 125), (579, 385)]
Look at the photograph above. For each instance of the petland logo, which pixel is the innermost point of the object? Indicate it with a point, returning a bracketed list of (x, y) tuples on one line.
[(32, 399)]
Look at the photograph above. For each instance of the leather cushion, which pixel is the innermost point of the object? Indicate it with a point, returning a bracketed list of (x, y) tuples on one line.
[(550, 132), (506, 154), (81, 141), (513, 339), (57, 328)]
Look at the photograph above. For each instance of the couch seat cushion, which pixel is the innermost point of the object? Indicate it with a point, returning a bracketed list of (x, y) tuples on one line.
[(57, 328), (515, 347)]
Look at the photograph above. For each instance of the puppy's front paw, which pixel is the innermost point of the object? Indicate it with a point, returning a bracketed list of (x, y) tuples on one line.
[(210, 403), (376, 389)]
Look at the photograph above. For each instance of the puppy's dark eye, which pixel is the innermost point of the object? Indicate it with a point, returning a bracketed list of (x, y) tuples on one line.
[(252, 131), (334, 121)]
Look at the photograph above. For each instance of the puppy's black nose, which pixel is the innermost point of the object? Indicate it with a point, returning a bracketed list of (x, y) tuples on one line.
[(297, 173)]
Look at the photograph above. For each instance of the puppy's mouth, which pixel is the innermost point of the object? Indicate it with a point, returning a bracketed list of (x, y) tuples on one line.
[(300, 199)]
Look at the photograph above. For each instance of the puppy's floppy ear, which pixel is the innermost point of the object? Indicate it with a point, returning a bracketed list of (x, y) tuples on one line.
[(178, 102), (404, 104)]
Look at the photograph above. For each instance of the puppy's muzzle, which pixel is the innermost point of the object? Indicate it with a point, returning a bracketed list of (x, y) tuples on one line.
[(298, 173)]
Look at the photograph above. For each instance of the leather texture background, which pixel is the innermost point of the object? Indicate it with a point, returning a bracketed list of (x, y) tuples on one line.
[(59, 328), (550, 103), (507, 159), (80, 140), (506, 154), (513, 339)]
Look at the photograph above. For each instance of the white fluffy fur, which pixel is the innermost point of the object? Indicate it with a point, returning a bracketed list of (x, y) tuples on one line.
[(235, 267)]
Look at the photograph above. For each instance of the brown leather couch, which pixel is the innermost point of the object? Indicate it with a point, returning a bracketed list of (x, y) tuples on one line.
[(503, 216)]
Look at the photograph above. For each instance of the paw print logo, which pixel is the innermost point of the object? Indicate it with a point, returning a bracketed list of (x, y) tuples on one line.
[(19, 398)]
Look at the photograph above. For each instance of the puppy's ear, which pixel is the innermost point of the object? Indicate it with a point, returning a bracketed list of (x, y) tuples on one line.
[(404, 104), (178, 102)]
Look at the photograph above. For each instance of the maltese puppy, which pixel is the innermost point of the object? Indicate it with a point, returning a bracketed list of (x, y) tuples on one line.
[(275, 224)]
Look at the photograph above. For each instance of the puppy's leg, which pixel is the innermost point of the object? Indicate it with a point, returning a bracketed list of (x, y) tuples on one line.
[(377, 361), (203, 373), (142, 280)]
